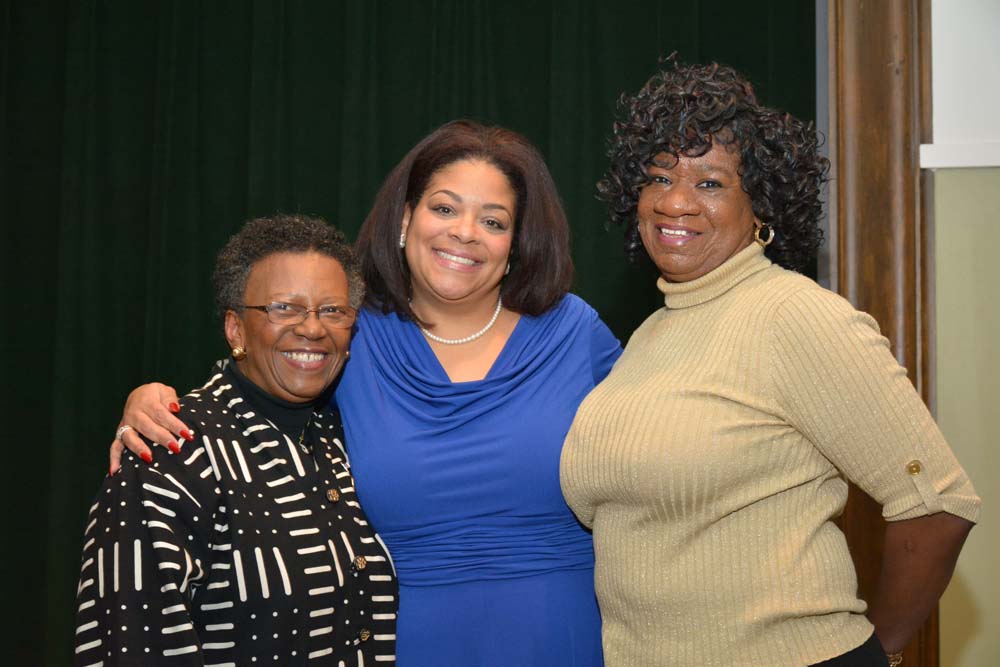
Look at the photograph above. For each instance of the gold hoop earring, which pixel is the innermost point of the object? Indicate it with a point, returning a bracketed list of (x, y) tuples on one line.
[(239, 354), (763, 243)]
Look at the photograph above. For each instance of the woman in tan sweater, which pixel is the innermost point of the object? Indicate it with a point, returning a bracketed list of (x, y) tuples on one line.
[(713, 460)]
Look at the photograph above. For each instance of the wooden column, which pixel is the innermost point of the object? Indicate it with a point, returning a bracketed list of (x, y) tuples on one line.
[(879, 58)]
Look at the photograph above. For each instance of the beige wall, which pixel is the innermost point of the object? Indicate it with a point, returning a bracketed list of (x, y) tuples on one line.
[(967, 279)]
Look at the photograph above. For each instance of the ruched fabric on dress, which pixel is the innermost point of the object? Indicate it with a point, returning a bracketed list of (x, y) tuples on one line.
[(462, 482)]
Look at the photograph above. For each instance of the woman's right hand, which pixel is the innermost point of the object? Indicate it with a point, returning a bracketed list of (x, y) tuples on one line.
[(149, 410)]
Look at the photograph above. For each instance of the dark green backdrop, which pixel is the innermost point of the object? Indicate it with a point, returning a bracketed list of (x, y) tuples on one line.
[(136, 136)]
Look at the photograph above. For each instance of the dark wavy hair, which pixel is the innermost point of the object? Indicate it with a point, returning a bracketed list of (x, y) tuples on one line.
[(261, 237), (684, 109), (541, 270)]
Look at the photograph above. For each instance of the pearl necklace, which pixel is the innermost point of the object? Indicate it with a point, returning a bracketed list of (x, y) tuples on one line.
[(469, 338)]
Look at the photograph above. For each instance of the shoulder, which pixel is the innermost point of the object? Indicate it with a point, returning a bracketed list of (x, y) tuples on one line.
[(373, 323), (803, 315), (775, 284), (177, 483), (799, 298), (214, 406), (369, 313), (575, 322), (785, 293), (211, 411), (570, 317), (571, 308)]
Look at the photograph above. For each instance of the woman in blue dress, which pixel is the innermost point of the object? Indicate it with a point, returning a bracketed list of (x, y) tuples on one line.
[(467, 368)]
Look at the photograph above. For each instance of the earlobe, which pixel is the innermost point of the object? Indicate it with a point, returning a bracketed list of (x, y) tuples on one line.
[(233, 327), (407, 214), (404, 226)]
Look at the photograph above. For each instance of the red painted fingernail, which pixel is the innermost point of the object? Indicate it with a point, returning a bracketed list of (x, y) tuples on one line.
[(173, 407), (187, 435), (147, 457), (174, 447)]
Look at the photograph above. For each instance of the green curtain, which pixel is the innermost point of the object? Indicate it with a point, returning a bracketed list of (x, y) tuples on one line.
[(136, 136)]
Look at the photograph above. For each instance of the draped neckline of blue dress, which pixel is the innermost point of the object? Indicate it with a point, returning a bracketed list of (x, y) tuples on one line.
[(433, 361), (409, 371)]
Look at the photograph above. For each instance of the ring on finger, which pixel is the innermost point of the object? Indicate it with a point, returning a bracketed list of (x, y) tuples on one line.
[(121, 430)]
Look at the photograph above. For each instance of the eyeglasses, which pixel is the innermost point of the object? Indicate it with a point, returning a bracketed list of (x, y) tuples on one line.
[(288, 314)]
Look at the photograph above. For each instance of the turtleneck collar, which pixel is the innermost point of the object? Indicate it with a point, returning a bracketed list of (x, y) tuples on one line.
[(290, 418), (717, 282)]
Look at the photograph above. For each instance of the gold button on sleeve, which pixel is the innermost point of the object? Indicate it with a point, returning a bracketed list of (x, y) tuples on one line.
[(333, 495), (365, 634), (914, 467), (360, 562)]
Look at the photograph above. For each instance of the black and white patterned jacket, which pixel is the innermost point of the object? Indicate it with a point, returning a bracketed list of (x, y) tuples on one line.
[(246, 548)]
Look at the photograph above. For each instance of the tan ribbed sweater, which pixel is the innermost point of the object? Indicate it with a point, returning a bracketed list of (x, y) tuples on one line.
[(711, 462)]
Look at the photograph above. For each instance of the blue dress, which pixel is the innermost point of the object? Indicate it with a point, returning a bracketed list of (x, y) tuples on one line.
[(461, 480)]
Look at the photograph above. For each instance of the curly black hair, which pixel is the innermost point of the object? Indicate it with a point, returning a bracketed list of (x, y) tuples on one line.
[(263, 237), (682, 111)]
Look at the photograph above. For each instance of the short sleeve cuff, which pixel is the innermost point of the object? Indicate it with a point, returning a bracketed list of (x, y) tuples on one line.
[(927, 495)]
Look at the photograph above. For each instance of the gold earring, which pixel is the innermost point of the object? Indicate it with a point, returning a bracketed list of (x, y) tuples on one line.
[(239, 354), (763, 243), (347, 354)]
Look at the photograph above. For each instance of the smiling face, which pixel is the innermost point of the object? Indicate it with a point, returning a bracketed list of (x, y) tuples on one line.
[(293, 363), (695, 215), (458, 236)]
